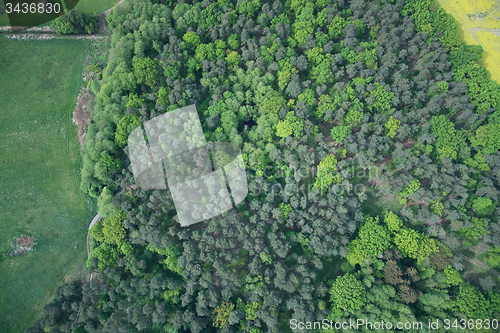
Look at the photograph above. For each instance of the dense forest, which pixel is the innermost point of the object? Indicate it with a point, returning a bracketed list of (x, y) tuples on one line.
[(338, 107)]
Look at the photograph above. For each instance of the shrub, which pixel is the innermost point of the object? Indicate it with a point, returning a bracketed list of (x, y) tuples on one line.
[(75, 22)]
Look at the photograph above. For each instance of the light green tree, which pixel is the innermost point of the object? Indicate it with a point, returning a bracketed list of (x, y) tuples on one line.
[(383, 100), (394, 223), (96, 232), (221, 313), (472, 303), (452, 276), (290, 125), (478, 229), (113, 230), (481, 203), (414, 244), (373, 238), (134, 101), (107, 256), (233, 58), (125, 126), (339, 133), (191, 39), (163, 96), (145, 71), (347, 293), (392, 126), (285, 210), (325, 175), (412, 187), (251, 310), (233, 41), (336, 26), (266, 258)]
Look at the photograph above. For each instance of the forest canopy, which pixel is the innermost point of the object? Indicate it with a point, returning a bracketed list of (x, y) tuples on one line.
[(369, 134)]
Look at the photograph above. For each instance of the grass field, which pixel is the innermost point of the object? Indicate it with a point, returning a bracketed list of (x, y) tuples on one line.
[(479, 23), (39, 174), (96, 6), (4, 19)]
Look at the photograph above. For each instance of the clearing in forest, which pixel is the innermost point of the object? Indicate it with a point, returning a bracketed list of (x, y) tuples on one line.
[(479, 23), (40, 193)]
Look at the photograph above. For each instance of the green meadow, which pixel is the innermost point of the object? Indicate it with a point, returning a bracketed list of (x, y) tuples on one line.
[(96, 6), (4, 19), (39, 174)]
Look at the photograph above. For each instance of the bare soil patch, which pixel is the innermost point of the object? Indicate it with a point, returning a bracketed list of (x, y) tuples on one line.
[(81, 115), (22, 244), (409, 143)]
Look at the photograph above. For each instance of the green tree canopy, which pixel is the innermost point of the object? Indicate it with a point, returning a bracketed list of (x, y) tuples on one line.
[(290, 125), (472, 303), (347, 293), (412, 187), (191, 39), (339, 133), (392, 126), (113, 230), (221, 313), (107, 256), (452, 276), (449, 140), (481, 203), (325, 175), (75, 22), (394, 223), (373, 237), (125, 126), (414, 244), (145, 71), (105, 204)]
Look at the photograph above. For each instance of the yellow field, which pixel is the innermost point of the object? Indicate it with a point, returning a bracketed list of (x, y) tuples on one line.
[(479, 23)]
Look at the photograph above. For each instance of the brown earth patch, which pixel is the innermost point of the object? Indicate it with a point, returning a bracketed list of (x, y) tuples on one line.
[(81, 115), (421, 202), (388, 198), (409, 143), (375, 182)]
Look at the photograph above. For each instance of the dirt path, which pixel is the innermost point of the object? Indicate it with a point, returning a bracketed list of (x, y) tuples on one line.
[(96, 218), (106, 12), (477, 263), (53, 36), (94, 221)]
